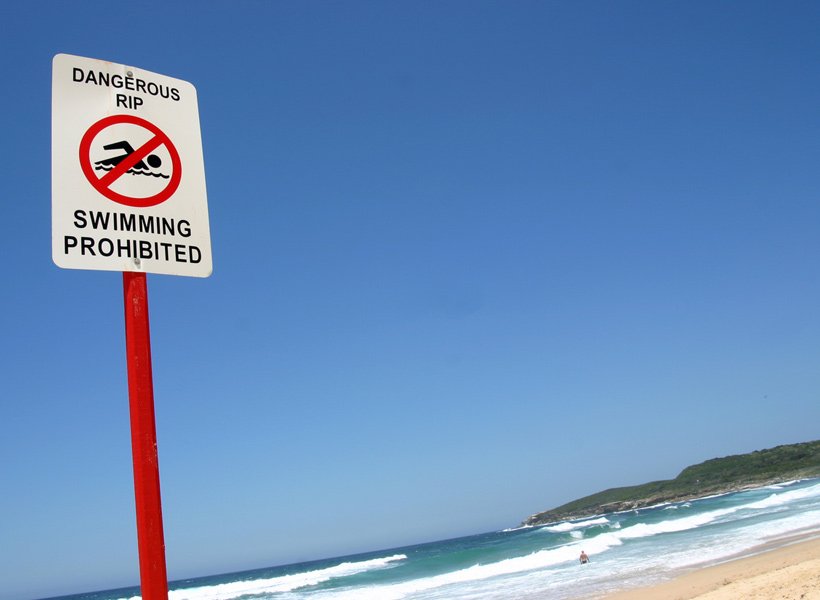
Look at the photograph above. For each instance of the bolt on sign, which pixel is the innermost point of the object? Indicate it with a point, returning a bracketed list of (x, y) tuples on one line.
[(128, 176)]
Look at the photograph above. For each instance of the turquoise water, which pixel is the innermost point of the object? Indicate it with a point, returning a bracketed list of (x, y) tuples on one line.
[(626, 549)]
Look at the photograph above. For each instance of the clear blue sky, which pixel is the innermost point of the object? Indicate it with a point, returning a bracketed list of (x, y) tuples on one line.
[(471, 260)]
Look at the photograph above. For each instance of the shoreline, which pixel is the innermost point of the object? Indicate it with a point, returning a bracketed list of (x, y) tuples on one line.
[(785, 568), (649, 502)]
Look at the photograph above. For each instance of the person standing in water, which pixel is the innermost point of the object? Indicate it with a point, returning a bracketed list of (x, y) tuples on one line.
[(584, 558)]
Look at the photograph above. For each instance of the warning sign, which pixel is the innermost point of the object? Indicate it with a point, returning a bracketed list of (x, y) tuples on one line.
[(128, 177), (155, 161)]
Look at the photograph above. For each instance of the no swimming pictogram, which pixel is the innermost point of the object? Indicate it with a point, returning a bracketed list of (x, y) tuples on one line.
[(130, 160)]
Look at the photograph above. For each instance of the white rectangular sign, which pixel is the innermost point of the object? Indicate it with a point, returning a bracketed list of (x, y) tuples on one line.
[(127, 172)]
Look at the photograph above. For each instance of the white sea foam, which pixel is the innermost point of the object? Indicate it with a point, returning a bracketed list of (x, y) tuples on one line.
[(571, 525), (691, 522), (780, 486), (622, 549), (673, 525), (651, 506), (598, 546), (284, 583), (532, 562), (782, 498), (713, 496)]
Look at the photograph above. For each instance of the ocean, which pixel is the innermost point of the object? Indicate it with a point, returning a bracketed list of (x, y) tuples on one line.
[(627, 549)]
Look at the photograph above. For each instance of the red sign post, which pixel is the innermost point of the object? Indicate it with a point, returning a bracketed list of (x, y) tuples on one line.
[(122, 138), (150, 539)]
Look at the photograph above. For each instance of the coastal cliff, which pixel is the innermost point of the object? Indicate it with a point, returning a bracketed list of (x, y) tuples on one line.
[(715, 476)]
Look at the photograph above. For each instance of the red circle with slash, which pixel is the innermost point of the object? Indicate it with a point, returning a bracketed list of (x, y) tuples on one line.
[(103, 184)]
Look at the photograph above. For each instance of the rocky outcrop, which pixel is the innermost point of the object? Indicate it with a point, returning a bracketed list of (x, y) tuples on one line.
[(715, 476)]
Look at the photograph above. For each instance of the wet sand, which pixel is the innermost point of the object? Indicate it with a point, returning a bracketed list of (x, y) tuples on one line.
[(789, 572)]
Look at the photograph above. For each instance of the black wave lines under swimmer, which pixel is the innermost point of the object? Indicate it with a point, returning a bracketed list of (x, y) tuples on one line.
[(133, 171)]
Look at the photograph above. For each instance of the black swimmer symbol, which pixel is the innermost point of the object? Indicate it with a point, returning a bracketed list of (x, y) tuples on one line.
[(107, 164)]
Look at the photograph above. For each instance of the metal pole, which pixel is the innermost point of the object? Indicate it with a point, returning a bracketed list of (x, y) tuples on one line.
[(151, 543)]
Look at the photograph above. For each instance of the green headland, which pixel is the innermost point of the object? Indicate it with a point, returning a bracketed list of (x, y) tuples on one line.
[(715, 476)]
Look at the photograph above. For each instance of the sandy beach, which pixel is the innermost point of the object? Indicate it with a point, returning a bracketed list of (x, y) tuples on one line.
[(790, 572)]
